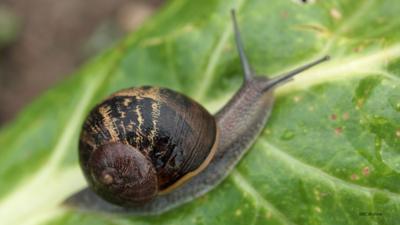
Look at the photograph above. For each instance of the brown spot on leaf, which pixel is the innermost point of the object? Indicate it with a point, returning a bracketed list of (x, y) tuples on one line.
[(338, 130), (365, 171), (398, 133), (333, 117)]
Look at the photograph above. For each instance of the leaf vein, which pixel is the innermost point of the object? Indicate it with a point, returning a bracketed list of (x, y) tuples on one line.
[(246, 187), (312, 169), (215, 57)]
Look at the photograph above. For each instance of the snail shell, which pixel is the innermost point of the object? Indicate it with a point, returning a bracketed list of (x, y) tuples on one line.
[(145, 141)]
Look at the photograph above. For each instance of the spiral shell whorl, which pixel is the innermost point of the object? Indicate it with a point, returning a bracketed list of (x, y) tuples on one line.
[(119, 172)]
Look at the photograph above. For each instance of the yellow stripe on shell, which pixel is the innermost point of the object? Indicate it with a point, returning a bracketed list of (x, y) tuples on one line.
[(109, 122)]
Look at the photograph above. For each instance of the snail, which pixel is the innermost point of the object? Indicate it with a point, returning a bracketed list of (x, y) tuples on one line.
[(146, 150)]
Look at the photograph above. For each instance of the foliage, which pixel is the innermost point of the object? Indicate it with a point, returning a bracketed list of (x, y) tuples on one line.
[(330, 153)]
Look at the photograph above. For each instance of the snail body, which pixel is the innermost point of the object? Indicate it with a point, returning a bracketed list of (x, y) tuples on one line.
[(147, 150)]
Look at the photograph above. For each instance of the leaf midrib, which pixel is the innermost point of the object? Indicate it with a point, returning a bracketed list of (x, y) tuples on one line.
[(345, 68)]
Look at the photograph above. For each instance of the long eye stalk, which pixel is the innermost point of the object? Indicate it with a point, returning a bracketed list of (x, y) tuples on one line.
[(239, 45), (281, 79), (247, 70)]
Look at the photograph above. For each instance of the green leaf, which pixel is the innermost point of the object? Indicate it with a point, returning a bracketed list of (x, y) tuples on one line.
[(330, 153)]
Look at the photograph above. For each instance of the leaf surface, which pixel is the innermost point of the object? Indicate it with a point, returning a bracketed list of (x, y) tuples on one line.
[(330, 153)]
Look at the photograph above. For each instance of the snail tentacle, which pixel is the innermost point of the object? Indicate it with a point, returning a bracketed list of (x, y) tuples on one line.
[(282, 79), (247, 71)]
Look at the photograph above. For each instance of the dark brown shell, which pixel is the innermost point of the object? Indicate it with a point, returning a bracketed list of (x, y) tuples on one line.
[(172, 131), (118, 173)]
